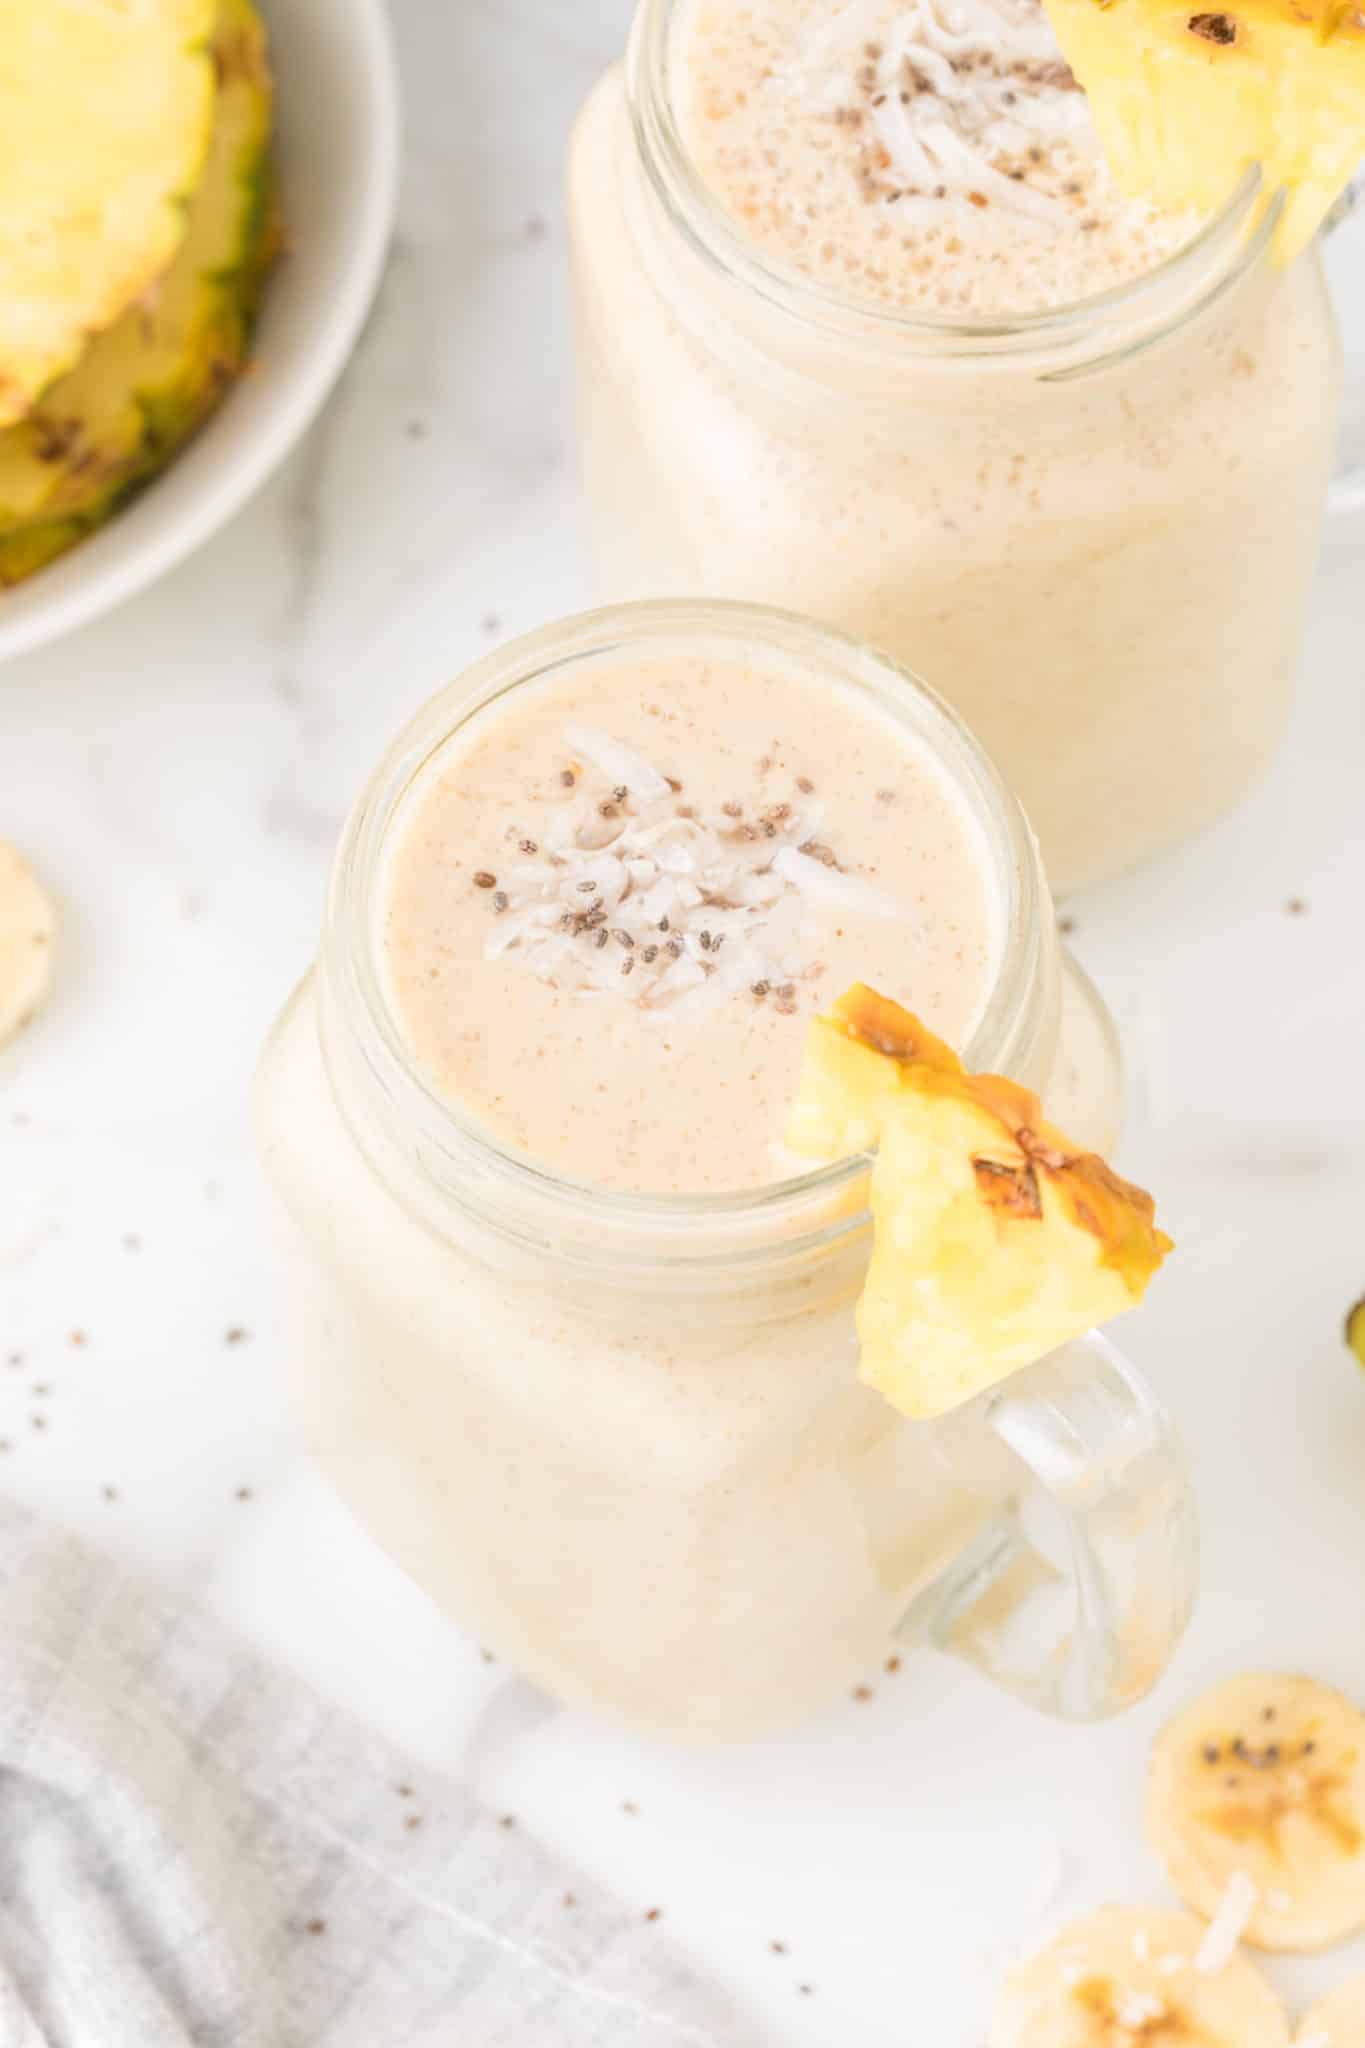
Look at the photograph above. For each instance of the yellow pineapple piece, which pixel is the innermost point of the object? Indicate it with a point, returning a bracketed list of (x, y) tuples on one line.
[(995, 1237), (855, 1060), (1185, 99), (1355, 1329), (105, 110)]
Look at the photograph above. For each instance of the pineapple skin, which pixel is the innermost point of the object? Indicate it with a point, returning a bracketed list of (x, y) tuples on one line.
[(103, 431)]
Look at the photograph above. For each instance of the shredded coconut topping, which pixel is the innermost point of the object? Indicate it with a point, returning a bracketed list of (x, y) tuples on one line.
[(940, 95), (1228, 1925), (632, 892)]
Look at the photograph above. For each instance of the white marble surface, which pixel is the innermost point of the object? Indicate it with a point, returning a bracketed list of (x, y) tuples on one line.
[(178, 773)]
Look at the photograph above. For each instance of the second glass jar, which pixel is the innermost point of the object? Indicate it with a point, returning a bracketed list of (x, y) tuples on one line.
[(1091, 529)]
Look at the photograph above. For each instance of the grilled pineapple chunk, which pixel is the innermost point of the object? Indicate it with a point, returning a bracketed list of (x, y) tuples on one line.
[(142, 388), (995, 1237), (1185, 99), (105, 107)]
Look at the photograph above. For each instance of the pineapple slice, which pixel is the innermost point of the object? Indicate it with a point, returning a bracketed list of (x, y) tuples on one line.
[(995, 1237), (104, 120), (142, 388), (1185, 99)]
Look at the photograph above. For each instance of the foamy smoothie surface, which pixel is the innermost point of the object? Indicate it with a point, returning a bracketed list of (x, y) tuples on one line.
[(611, 903), (938, 157)]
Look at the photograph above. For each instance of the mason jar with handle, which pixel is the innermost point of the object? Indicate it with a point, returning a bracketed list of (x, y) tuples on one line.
[(1091, 527), (622, 1437)]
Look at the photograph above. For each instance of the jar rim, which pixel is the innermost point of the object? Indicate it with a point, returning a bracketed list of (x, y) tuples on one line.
[(1222, 250), (361, 1033)]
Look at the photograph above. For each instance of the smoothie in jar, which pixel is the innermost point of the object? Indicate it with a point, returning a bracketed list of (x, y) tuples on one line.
[(572, 1332), (864, 325)]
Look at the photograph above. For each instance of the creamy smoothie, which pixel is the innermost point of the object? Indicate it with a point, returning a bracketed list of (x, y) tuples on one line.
[(865, 328), (559, 1337), (934, 158), (612, 908)]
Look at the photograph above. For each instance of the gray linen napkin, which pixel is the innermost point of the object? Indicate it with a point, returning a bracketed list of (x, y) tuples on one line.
[(196, 1852)]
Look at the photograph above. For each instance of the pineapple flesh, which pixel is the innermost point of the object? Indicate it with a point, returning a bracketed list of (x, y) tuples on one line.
[(144, 386), (995, 1237), (1187, 99), (105, 111)]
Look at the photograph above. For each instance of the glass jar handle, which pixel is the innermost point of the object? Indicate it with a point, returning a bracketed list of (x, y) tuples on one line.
[(1343, 252), (1076, 1589)]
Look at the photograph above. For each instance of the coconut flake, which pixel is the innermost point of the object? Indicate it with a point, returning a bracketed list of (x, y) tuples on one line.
[(1228, 1925), (829, 886), (618, 764)]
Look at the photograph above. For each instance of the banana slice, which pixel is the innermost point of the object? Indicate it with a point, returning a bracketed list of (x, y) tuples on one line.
[(27, 924), (1264, 1779), (1337, 2021), (1137, 1977)]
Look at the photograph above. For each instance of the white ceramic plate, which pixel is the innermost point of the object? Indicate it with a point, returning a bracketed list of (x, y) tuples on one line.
[(338, 159)]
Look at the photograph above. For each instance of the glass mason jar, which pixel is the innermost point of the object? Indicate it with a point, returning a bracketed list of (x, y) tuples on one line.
[(622, 1438), (1092, 528)]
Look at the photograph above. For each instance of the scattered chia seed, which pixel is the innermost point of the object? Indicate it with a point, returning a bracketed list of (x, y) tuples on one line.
[(567, 778), (760, 989), (587, 888), (606, 810), (650, 955), (733, 810), (600, 939), (483, 880), (805, 785), (627, 965), (317, 1927), (501, 899), (620, 793), (623, 938), (527, 846)]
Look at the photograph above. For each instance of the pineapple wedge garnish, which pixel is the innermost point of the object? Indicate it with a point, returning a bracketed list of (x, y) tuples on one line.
[(1186, 99), (104, 121), (995, 1237), (143, 387)]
